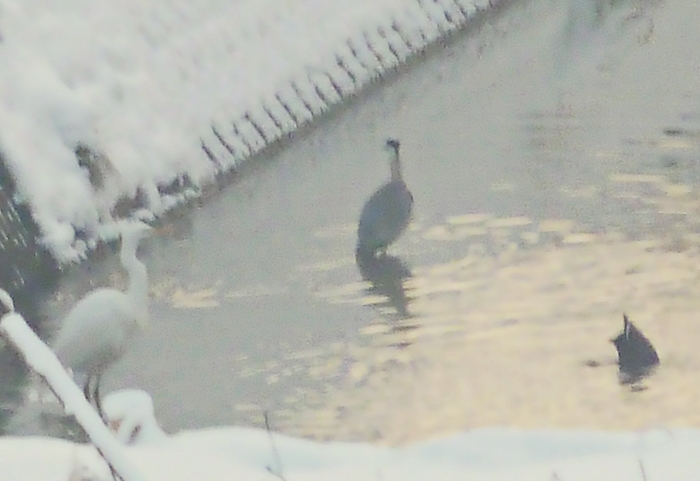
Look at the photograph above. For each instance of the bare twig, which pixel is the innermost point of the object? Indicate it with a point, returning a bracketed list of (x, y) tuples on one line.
[(641, 445), (275, 453), (641, 468)]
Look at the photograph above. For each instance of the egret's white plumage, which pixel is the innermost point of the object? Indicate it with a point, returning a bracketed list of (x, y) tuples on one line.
[(387, 213), (99, 328)]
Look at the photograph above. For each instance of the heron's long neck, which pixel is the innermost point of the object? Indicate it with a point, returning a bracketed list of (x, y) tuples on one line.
[(138, 276), (395, 166)]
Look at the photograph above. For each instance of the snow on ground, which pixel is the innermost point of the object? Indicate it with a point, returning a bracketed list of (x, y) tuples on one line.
[(142, 86), (237, 454)]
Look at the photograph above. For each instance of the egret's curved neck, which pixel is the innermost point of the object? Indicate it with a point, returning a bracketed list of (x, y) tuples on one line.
[(138, 276), (395, 165)]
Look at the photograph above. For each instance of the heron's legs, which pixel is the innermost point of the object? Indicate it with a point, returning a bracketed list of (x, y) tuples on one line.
[(98, 401), (94, 394), (86, 389)]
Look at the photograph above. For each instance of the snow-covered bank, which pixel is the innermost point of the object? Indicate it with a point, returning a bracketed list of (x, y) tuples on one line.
[(101, 101), (237, 454)]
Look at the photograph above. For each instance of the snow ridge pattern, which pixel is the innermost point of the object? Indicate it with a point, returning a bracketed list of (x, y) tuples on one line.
[(106, 101)]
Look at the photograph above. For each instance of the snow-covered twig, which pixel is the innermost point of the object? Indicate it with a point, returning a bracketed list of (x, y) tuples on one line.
[(43, 361)]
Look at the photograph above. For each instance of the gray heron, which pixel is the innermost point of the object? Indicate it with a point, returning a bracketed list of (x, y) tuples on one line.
[(387, 213)]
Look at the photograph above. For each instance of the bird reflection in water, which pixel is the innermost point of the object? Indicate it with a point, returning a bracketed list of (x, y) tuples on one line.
[(386, 274)]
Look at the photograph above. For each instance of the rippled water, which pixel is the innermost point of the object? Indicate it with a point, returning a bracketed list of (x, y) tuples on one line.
[(553, 166)]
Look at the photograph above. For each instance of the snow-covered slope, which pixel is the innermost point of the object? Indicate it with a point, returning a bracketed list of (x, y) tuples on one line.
[(154, 94)]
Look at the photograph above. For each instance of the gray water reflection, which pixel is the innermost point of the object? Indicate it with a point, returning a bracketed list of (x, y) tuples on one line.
[(386, 275), (542, 210)]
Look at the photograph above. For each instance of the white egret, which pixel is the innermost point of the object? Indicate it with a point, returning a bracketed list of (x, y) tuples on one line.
[(387, 213), (98, 329)]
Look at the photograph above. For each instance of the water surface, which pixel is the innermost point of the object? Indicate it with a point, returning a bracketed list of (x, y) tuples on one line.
[(552, 162)]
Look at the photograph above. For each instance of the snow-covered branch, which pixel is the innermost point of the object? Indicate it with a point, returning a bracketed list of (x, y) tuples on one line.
[(43, 361)]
